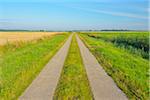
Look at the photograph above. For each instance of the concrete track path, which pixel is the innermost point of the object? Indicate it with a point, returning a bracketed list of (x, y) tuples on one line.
[(102, 86), (43, 87)]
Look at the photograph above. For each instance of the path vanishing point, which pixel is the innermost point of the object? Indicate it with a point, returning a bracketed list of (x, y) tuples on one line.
[(44, 85)]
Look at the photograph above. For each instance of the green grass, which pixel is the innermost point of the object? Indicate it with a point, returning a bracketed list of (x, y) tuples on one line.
[(134, 42), (129, 71), (73, 83), (21, 62)]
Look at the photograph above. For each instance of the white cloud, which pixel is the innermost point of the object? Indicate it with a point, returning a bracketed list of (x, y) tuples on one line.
[(123, 14)]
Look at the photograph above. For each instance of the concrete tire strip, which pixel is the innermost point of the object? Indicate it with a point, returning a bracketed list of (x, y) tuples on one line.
[(102, 86), (43, 87)]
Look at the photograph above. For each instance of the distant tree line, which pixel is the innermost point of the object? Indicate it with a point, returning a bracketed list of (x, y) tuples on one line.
[(90, 30)]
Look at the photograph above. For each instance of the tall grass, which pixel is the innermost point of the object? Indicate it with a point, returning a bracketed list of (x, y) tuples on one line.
[(73, 83), (21, 62), (130, 72)]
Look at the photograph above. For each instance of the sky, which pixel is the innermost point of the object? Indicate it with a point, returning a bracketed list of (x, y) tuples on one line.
[(74, 14)]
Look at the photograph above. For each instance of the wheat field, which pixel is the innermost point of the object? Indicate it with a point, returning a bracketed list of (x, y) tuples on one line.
[(6, 37)]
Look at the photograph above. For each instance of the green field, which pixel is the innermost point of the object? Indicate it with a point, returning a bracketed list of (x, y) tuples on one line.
[(134, 42), (73, 83), (124, 56), (21, 62)]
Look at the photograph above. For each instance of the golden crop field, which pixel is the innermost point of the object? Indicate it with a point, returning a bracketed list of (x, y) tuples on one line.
[(23, 36)]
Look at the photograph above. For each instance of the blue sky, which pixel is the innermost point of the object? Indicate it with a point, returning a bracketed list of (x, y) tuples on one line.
[(74, 14)]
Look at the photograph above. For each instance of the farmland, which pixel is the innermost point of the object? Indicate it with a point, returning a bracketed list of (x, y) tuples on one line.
[(135, 42), (20, 62), (124, 56), (8, 37)]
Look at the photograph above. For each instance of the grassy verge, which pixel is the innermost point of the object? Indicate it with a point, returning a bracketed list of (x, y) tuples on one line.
[(128, 71), (73, 83), (21, 62)]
